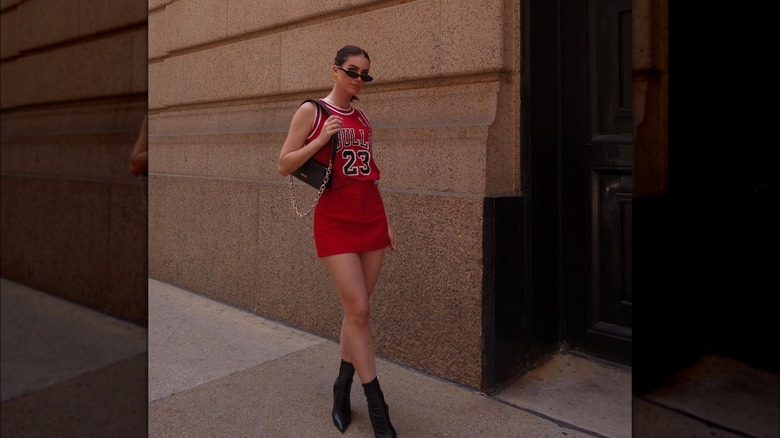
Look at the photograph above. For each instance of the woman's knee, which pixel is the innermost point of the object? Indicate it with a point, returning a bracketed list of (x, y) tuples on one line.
[(357, 316)]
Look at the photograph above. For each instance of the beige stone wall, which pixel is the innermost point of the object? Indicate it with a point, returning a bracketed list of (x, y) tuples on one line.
[(74, 83), (224, 81)]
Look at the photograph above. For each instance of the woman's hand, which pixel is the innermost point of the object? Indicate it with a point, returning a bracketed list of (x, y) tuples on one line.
[(332, 126), (393, 245)]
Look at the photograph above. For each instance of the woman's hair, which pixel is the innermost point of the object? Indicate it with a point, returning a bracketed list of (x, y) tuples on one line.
[(347, 51)]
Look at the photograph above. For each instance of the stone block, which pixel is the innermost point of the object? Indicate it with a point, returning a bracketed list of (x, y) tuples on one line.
[(194, 22), (10, 33), (101, 15), (437, 159), (440, 240), (93, 156), (55, 238), (471, 36), (96, 68), (240, 70), (204, 235), (128, 247), (184, 155), (247, 16), (139, 76), (46, 22), (165, 83), (10, 85), (105, 118), (299, 59), (9, 3), (157, 34), (231, 119), (398, 39)]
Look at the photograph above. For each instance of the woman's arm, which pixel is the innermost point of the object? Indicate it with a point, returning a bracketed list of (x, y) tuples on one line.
[(139, 157), (391, 234), (294, 153)]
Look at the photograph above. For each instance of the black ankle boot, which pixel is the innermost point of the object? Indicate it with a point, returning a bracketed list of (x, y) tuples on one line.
[(342, 411), (378, 410)]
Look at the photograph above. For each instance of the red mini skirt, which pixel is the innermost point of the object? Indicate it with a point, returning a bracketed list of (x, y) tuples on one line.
[(349, 219)]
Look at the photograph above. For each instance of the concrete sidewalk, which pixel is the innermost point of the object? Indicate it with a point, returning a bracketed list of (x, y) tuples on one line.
[(69, 371), (217, 371)]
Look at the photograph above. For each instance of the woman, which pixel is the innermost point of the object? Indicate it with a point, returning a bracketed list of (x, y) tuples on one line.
[(351, 227)]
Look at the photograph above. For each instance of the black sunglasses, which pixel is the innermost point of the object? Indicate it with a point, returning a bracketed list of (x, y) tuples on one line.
[(355, 75)]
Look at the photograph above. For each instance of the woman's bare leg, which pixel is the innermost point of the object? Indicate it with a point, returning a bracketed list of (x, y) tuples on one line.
[(354, 276)]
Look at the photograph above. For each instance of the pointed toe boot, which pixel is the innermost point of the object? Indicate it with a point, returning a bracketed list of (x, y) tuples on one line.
[(342, 410), (378, 411)]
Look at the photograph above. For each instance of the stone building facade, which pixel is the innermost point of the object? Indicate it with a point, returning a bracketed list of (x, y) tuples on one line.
[(74, 93), (458, 107), (224, 81)]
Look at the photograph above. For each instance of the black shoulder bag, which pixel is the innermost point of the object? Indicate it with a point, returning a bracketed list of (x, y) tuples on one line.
[(314, 173)]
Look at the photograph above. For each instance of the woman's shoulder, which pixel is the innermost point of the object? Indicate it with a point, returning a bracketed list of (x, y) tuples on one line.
[(309, 105), (307, 110)]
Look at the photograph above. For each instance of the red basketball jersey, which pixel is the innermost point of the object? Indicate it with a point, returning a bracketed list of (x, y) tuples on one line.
[(354, 159)]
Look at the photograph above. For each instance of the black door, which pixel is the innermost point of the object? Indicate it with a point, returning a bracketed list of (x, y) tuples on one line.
[(558, 258), (596, 177)]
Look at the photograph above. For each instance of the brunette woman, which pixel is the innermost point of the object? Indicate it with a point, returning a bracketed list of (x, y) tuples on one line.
[(351, 228)]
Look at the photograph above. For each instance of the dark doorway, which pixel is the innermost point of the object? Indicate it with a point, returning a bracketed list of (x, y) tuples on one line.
[(558, 259), (577, 177), (596, 177)]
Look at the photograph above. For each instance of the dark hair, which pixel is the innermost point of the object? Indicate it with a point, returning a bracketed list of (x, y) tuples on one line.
[(347, 51)]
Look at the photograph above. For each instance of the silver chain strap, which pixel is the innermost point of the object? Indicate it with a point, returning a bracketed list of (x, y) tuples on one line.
[(294, 198)]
